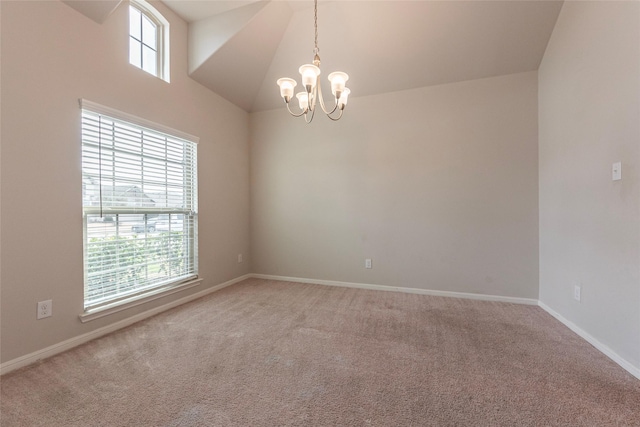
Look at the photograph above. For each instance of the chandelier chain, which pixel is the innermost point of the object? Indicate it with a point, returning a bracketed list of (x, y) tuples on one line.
[(315, 22)]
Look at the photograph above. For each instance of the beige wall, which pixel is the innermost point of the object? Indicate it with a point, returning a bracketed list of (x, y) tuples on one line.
[(590, 225), (51, 56), (437, 185)]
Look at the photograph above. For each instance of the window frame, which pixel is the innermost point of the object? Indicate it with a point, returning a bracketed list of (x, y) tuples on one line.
[(160, 288), (162, 38)]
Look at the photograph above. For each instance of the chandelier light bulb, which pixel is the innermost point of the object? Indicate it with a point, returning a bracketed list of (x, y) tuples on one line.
[(338, 80), (303, 100), (286, 88), (344, 97), (309, 73)]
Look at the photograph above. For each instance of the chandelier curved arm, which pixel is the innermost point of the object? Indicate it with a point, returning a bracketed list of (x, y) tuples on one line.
[(335, 119), (311, 104), (313, 112), (328, 113), (294, 114)]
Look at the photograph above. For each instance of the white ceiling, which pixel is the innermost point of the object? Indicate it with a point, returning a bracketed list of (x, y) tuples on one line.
[(240, 48)]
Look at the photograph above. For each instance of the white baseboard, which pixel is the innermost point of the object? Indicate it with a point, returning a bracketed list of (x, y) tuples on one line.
[(28, 359), (633, 370), (515, 300)]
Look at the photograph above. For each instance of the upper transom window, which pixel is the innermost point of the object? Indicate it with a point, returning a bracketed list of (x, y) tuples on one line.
[(148, 39)]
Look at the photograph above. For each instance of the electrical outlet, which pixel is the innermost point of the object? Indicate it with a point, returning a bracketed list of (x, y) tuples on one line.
[(239, 258), (45, 309), (367, 263), (577, 290)]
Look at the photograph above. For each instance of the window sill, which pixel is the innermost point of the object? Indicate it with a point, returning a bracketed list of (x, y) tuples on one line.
[(107, 310)]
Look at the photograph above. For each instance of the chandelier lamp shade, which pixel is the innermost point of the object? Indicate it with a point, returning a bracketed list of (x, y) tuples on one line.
[(311, 94)]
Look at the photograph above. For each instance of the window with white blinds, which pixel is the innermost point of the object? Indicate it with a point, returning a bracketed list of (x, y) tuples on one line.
[(139, 189)]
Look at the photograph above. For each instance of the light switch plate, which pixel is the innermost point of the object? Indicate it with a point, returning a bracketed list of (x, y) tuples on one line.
[(616, 171)]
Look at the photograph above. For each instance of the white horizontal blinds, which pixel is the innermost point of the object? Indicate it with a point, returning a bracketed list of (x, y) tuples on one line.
[(140, 208), (138, 168)]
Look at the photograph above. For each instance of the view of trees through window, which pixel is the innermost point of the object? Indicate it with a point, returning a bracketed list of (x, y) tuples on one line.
[(130, 252)]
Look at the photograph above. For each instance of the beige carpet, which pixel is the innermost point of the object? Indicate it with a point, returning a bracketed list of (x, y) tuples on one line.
[(265, 353)]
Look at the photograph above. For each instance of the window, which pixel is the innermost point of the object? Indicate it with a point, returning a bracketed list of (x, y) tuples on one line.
[(148, 39), (139, 189)]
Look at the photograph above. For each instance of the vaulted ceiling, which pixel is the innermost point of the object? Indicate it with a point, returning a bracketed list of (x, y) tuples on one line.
[(239, 48)]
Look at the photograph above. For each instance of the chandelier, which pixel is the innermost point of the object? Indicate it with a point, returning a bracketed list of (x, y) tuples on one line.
[(307, 99)]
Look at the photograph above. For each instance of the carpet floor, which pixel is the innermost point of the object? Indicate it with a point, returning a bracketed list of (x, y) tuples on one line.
[(270, 353)]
